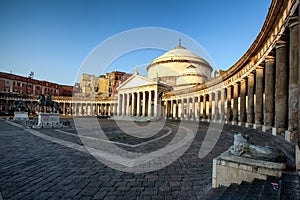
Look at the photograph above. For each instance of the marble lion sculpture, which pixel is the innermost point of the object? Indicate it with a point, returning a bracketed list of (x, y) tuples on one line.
[(242, 147)]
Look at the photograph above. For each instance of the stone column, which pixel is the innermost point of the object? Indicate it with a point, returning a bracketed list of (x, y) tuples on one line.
[(242, 102), (187, 108), (204, 107), (132, 104), (75, 110), (80, 109), (144, 104), (250, 111), (64, 108), (107, 108), (222, 111), (199, 107), (86, 109), (193, 108), (123, 105), (228, 112), (119, 105), (216, 115), (235, 103), (138, 104), (182, 108), (168, 107), (177, 109), (155, 103), (172, 109), (210, 114), (128, 104), (259, 97), (281, 88), (149, 104), (115, 109), (269, 93), (293, 79), (94, 109)]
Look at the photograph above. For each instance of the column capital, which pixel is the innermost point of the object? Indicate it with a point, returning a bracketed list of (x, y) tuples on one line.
[(251, 74), (293, 21), (242, 81), (270, 59), (280, 43), (259, 67)]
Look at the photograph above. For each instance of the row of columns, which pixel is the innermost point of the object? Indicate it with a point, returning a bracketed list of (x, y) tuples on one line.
[(267, 97), (144, 103), (92, 109)]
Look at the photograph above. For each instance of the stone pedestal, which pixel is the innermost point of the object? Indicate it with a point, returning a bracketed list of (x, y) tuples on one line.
[(290, 136), (48, 120), (20, 116), (277, 131), (248, 125), (228, 169), (257, 126), (266, 128)]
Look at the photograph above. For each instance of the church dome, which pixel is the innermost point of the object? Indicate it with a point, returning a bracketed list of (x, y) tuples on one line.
[(173, 63)]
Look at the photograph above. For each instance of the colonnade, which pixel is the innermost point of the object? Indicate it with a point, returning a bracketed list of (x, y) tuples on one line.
[(141, 103), (263, 96), (92, 109)]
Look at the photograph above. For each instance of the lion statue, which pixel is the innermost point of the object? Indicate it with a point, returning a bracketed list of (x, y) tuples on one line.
[(242, 147)]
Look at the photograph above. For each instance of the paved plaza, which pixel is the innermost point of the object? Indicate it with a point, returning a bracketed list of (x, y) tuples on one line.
[(54, 164)]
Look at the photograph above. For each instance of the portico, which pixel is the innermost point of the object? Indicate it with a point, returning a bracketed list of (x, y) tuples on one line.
[(141, 97)]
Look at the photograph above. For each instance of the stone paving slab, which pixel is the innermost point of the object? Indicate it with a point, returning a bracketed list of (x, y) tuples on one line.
[(35, 168)]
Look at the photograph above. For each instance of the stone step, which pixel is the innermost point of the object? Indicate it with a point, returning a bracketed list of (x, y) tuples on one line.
[(229, 192), (242, 190), (255, 190), (214, 194), (271, 188), (290, 186)]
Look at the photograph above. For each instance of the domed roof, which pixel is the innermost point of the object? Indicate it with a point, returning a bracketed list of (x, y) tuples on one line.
[(191, 70), (179, 54)]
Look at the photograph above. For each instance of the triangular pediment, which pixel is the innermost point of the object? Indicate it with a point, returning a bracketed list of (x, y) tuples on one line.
[(136, 81)]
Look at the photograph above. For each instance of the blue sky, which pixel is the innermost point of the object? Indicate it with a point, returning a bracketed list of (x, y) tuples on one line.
[(54, 38)]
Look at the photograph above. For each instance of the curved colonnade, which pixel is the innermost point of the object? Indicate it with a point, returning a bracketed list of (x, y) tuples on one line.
[(261, 89)]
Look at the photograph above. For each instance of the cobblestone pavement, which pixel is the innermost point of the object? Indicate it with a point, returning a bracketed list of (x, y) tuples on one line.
[(33, 167)]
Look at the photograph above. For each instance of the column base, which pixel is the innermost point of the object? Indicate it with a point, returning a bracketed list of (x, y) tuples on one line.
[(297, 157), (248, 125), (289, 136), (257, 126), (229, 122), (241, 123), (234, 123), (266, 128), (277, 131)]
